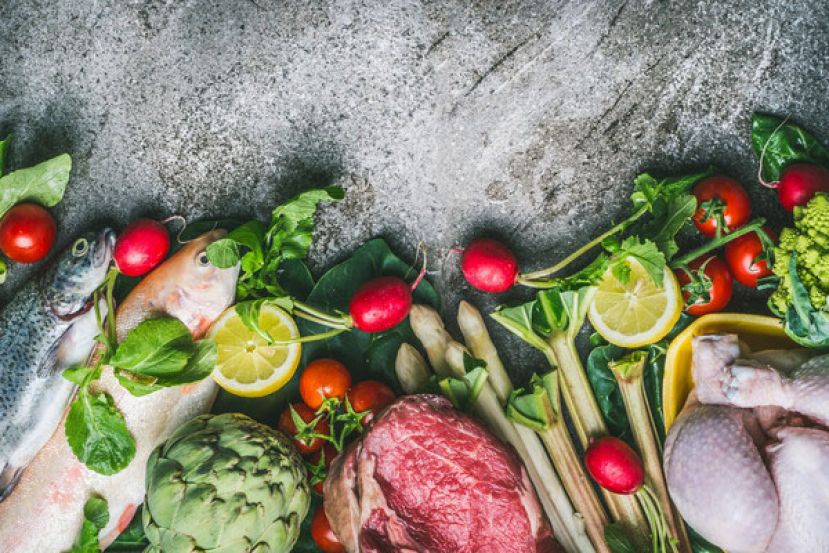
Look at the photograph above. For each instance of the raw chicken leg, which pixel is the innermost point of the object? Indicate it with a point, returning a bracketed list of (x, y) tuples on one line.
[(715, 472), (800, 469)]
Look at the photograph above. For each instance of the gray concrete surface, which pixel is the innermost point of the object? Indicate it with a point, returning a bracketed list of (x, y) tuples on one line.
[(443, 119)]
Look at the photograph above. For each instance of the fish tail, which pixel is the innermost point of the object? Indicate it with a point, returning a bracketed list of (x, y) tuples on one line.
[(8, 479)]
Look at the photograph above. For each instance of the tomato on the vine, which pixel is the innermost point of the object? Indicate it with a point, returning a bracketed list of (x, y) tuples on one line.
[(746, 258), (323, 379), (27, 233), (721, 202), (286, 425), (322, 459), (323, 535), (706, 285), (372, 396)]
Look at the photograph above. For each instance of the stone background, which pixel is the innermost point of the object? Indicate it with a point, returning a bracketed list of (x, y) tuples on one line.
[(444, 120)]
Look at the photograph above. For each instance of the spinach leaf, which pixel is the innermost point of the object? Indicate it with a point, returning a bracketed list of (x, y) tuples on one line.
[(784, 143), (95, 518), (4, 146), (617, 539), (97, 433), (156, 348), (44, 183)]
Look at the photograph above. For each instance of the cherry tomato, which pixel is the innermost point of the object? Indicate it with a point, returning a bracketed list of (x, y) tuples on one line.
[(372, 396), (27, 233), (286, 425), (323, 379), (330, 453), (323, 535), (716, 274), (720, 198), (742, 256)]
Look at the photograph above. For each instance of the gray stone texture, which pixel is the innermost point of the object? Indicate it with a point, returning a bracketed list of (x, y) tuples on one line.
[(444, 120)]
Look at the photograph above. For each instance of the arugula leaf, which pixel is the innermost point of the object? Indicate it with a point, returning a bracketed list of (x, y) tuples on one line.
[(650, 193), (4, 146), (44, 183), (677, 214), (784, 143), (97, 433), (292, 223), (156, 348), (95, 518)]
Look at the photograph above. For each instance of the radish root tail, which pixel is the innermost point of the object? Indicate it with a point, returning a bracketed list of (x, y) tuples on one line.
[(421, 248)]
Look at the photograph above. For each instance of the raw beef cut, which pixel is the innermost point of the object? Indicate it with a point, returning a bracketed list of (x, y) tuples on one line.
[(426, 478)]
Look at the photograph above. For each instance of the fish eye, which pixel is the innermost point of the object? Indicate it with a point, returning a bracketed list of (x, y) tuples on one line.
[(203, 260), (80, 247)]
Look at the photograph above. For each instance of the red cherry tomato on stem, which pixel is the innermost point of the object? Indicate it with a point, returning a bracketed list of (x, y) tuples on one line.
[(323, 535), (286, 425), (27, 233), (372, 396), (696, 279), (744, 257), (720, 199), (323, 379)]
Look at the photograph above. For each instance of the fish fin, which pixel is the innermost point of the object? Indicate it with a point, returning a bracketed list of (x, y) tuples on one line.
[(49, 363), (9, 477)]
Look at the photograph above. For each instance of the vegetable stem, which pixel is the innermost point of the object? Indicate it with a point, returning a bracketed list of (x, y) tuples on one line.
[(429, 329), (411, 369), (718, 242), (628, 372), (525, 278), (312, 338)]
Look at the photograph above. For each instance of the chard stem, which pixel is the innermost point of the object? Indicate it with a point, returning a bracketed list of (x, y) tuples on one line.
[(561, 265), (589, 422)]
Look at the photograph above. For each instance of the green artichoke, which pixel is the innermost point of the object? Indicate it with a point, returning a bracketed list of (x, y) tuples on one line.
[(225, 484)]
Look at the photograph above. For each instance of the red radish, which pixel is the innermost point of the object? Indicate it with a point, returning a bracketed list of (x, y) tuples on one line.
[(614, 465), (380, 304), (142, 246), (489, 265), (799, 183)]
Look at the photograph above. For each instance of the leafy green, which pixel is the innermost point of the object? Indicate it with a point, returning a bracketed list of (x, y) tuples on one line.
[(463, 392), (700, 544), (617, 539), (95, 518), (132, 539), (4, 146), (156, 347), (97, 432), (806, 325), (539, 406), (261, 251), (785, 143), (44, 183), (643, 251)]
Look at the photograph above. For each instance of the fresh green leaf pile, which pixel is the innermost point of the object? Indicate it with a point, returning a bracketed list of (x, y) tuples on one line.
[(158, 353), (44, 183), (784, 143), (261, 250), (95, 518)]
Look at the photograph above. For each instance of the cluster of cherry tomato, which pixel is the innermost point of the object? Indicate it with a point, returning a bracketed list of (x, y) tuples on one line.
[(707, 282), (332, 410)]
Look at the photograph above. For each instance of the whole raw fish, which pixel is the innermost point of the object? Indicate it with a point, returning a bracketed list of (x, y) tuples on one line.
[(48, 326), (52, 491)]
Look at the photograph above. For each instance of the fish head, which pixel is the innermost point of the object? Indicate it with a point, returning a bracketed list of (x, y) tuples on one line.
[(191, 288), (77, 272)]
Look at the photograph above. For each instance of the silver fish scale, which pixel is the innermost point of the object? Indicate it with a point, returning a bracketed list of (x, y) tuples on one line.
[(28, 333)]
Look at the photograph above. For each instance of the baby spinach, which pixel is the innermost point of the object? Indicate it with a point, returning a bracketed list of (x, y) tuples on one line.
[(97, 432), (784, 143), (44, 183), (95, 518)]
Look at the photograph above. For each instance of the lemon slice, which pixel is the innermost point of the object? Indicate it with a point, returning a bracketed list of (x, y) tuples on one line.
[(247, 366), (639, 312)]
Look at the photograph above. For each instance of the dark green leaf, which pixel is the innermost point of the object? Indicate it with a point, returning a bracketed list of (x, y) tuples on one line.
[(132, 539), (295, 278), (4, 147), (784, 143), (223, 253), (95, 518), (617, 539), (679, 211), (156, 347), (606, 390), (44, 183), (804, 324), (651, 193), (199, 366), (97, 433)]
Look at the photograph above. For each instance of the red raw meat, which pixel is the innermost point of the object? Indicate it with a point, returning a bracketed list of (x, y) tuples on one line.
[(426, 478)]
